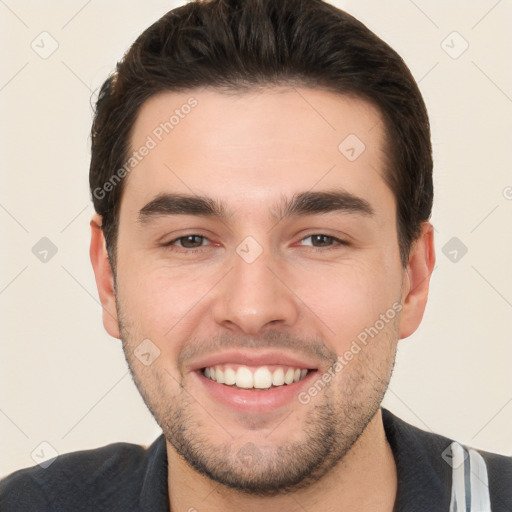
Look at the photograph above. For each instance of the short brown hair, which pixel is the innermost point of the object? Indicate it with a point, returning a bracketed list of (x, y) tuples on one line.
[(242, 44)]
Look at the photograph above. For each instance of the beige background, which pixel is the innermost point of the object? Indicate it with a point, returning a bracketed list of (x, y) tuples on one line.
[(64, 381)]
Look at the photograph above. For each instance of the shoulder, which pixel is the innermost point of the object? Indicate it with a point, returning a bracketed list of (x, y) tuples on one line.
[(442, 462), (83, 480)]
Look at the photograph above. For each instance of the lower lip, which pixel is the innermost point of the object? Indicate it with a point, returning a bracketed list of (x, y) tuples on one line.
[(257, 400)]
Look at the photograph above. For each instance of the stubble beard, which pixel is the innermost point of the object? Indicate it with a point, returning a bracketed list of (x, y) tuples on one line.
[(330, 429)]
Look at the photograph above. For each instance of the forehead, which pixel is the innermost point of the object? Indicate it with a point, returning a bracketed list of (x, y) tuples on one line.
[(250, 149)]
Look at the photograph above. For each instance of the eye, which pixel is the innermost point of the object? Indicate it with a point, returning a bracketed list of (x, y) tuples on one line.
[(189, 241), (321, 240)]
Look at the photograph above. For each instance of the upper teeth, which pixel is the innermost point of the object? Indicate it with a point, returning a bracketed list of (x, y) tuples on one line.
[(261, 377)]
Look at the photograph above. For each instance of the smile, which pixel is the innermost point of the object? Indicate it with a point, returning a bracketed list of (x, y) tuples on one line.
[(261, 377)]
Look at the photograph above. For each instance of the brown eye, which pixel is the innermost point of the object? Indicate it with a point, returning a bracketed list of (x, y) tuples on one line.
[(320, 240), (190, 241)]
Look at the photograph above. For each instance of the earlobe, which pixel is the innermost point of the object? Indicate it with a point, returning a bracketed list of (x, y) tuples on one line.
[(104, 276), (416, 281)]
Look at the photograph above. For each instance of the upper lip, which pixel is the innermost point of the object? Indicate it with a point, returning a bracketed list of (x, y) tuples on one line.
[(249, 358)]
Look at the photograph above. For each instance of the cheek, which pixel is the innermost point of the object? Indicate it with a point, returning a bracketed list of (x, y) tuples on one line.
[(160, 302), (349, 297)]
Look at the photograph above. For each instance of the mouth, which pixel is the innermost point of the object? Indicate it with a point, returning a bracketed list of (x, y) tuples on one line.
[(250, 383), (254, 378)]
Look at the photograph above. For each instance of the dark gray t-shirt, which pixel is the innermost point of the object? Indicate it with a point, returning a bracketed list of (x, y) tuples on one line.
[(123, 477)]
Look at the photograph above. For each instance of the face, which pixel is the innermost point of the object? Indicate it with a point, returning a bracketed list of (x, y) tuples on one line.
[(259, 290)]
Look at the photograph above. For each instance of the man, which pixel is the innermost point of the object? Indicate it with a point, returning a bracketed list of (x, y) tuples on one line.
[(262, 177)]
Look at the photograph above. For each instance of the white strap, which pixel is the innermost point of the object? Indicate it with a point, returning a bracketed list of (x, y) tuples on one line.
[(470, 483), (458, 502), (480, 499)]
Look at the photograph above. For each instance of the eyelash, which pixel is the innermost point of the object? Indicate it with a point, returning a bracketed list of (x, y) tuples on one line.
[(338, 242), (186, 249)]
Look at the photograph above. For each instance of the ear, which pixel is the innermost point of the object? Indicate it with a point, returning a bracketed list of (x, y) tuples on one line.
[(416, 281), (104, 276)]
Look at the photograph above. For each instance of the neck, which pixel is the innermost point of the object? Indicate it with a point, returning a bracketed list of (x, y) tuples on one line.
[(364, 480)]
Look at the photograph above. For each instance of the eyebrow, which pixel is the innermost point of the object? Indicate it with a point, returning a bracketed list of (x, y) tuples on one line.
[(301, 204), (330, 201)]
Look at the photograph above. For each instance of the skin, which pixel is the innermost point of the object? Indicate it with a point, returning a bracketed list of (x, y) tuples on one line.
[(250, 151)]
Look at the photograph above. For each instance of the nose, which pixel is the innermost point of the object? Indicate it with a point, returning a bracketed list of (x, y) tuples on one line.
[(254, 295)]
